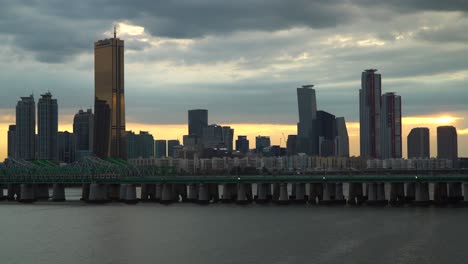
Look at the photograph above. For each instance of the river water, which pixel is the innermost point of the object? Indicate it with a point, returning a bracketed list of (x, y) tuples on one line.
[(74, 232)]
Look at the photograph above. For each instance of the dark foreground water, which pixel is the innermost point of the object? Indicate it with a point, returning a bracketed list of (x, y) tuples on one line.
[(74, 232)]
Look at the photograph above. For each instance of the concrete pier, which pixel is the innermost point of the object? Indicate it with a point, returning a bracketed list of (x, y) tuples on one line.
[(192, 195), (283, 197), (329, 190), (123, 192), (130, 194), (397, 193), (339, 196), (299, 193), (242, 193), (180, 192), (262, 192), (148, 192), (203, 193), (315, 193), (410, 191), (214, 192), (98, 193), (355, 196), (276, 191), (27, 193), (85, 192), (13, 192), (158, 192), (229, 192), (455, 194), (440, 193), (42, 191), (58, 192), (167, 195), (113, 192), (422, 194)]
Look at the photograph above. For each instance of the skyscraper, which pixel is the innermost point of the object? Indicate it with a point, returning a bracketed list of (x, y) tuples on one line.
[(83, 130), (139, 145), (447, 144), (197, 121), (306, 132), (47, 126), (242, 144), (262, 142), (109, 104), (66, 147), (369, 113), (325, 124), (160, 148), (390, 126), (26, 128), (215, 136), (170, 146), (11, 141), (342, 139), (291, 145), (418, 143)]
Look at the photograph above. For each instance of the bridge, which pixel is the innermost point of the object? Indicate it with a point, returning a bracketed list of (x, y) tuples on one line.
[(116, 180)]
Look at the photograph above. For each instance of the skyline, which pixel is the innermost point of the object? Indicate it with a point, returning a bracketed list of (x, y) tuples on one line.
[(169, 72)]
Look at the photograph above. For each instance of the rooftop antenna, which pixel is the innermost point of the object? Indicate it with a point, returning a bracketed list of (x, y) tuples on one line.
[(115, 34)]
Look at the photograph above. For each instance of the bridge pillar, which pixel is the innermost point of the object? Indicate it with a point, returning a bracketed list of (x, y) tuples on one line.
[(12, 191), (180, 192), (122, 192), (455, 192), (85, 192), (203, 193), (229, 192), (283, 197), (214, 192), (329, 190), (276, 191), (465, 192), (158, 192), (42, 191), (148, 192), (98, 193), (422, 193), (167, 194), (192, 193), (397, 193), (130, 194), (262, 192), (355, 196), (299, 193), (243, 193), (410, 191), (376, 194), (339, 197), (27, 194), (113, 192), (315, 193), (58, 192), (440, 193)]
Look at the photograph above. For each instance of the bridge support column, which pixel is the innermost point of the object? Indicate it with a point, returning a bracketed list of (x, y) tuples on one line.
[(328, 193), (42, 191), (27, 193), (283, 197), (262, 192), (122, 192), (455, 192), (276, 191), (397, 193), (12, 191), (315, 193), (192, 193), (243, 193), (158, 192), (130, 194), (113, 192), (422, 194), (299, 193), (229, 192), (148, 192), (203, 194), (167, 195), (410, 191), (85, 192), (180, 192), (98, 193), (214, 192), (58, 192), (339, 197), (355, 196), (440, 193)]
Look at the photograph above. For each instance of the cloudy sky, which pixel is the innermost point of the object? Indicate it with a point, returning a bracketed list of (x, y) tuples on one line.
[(241, 60)]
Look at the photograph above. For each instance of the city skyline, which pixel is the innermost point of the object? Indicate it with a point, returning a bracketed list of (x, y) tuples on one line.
[(252, 90)]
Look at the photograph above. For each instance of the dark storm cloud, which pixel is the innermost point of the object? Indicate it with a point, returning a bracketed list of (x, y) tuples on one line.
[(417, 5)]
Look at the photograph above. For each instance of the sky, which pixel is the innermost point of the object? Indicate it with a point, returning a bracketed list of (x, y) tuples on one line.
[(242, 60)]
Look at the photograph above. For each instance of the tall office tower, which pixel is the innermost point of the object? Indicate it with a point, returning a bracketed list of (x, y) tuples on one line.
[(197, 121), (160, 148), (341, 139), (307, 105), (132, 146), (291, 145), (369, 113), (139, 145), (26, 128), (66, 147), (262, 142), (447, 144), (109, 103), (418, 143), (242, 144), (390, 127), (83, 131), (11, 142), (47, 127), (326, 133), (170, 146), (228, 137), (215, 136)]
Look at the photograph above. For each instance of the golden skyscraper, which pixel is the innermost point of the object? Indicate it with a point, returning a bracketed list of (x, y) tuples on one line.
[(109, 103)]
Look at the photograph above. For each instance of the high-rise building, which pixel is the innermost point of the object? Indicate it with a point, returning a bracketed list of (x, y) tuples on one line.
[(170, 146), (447, 144), (25, 139), (11, 141), (418, 143), (66, 147), (262, 142), (109, 104), (369, 113), (139, 145), (390, 127), (342, 139), (83, 131), (197, 121), (242, 144), (160, 148), (215, 136), (47, 126), (291, 145), (306, 132), (325, 124)]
